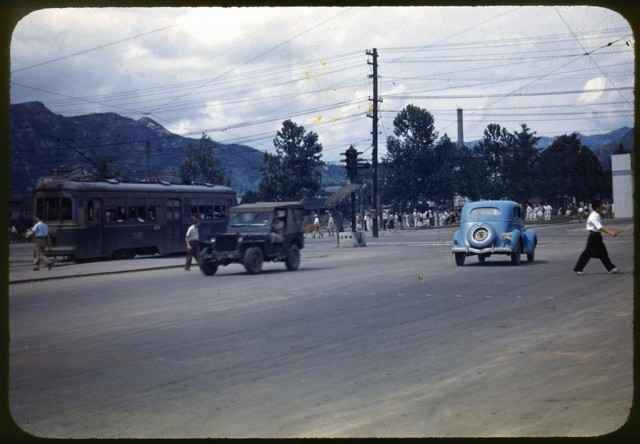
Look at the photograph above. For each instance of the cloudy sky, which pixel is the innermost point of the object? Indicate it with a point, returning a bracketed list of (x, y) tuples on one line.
[(238, 73)]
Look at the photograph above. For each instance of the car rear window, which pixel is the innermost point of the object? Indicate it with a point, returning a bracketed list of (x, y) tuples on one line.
[(485, 211)]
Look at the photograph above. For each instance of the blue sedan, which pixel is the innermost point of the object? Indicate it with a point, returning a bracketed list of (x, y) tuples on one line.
[(493, 227)]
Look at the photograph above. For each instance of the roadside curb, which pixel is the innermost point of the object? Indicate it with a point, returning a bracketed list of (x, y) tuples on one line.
[(91, 274)]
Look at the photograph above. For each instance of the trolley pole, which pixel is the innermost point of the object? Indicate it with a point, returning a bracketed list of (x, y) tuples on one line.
[(147, 151)]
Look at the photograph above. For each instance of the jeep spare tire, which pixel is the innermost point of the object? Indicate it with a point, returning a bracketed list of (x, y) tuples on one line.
[(253, 260)]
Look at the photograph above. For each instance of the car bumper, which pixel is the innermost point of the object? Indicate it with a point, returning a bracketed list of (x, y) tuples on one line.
[(490, 250), (222, 255)]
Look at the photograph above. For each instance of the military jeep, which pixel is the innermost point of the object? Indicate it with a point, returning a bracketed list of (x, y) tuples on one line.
[(252, 237)]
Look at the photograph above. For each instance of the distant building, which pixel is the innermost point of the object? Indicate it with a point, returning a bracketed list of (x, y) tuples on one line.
[(622, 174)]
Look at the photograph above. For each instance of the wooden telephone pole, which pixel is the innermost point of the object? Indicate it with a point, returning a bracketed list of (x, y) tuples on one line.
[(375, 202)]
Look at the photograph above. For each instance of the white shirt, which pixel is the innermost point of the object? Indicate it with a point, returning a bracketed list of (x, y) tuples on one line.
[(192, 233), (593, 222)]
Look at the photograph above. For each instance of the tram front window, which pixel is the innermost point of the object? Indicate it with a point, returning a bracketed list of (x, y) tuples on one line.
[(54, 209)]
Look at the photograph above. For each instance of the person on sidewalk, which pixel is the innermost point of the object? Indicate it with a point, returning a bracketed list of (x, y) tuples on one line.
[(40, 234), (595, 246), (193, 244)]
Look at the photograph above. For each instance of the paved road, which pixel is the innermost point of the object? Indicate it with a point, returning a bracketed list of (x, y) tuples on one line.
[(388, 340)]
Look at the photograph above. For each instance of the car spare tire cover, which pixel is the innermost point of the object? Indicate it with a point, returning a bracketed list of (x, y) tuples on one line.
[(480, 235)]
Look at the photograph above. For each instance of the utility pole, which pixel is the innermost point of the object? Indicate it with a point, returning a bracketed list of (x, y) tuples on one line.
[(374, 161), (147, 151)]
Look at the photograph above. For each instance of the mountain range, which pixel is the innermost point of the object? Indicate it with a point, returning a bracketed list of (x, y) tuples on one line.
[(44, 143)]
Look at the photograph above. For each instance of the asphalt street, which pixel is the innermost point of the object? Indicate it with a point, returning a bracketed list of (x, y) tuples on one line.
[(388, 340)]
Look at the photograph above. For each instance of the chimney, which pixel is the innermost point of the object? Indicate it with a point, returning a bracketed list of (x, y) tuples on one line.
[(460, 132)]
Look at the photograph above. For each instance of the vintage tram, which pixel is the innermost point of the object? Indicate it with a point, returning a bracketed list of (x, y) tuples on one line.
[(90, 220)]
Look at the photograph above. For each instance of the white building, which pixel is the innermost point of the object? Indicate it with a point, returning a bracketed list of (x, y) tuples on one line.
[(622, 174)]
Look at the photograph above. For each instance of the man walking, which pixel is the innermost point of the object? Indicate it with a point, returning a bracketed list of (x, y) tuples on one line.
[(193, 244), (595, 246), (40, 234)]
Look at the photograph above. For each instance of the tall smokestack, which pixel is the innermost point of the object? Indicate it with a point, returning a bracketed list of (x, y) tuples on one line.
[(460, 132)]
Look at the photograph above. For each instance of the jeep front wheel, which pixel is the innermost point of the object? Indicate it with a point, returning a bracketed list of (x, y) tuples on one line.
[(208, 268), (253, 260), (293, 258)]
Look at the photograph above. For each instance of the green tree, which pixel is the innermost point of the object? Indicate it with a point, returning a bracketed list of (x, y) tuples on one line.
[(472, 183), (291, 173), (410, 158), (250, 196), (569, 168), (200, 164), (520, 166), (493, 152), (444, 178)]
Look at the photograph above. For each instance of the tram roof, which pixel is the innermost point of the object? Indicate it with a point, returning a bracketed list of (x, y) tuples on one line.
[(48, 184)]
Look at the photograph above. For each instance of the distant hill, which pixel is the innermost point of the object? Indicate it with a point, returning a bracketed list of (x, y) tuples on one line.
[(44, 143)]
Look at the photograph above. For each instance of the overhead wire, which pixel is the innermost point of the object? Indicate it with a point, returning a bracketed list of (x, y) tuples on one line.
[(206, 90)]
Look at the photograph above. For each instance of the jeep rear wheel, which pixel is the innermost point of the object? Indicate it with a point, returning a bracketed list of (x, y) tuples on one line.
[(253, 260), (293, 258)]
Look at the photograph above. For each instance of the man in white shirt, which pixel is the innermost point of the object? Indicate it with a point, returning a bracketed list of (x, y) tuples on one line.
[(40, 234), (193, 244), (595, 246)]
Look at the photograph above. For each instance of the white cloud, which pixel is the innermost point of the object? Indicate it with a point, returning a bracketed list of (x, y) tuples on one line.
[(195, 69)]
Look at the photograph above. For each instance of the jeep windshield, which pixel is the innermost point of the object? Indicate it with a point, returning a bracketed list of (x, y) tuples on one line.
[(250, 219)]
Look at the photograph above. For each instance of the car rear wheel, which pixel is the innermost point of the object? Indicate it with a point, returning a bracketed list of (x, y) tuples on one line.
[(531, 256), (515, 257), (481, 258), (253, 260), (293, 258), (459, 259)]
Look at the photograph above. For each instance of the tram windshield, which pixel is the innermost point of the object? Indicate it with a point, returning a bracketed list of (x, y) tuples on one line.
[(54, 209)]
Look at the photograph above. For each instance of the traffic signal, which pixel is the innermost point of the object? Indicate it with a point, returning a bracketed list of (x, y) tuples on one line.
[(353, 163)]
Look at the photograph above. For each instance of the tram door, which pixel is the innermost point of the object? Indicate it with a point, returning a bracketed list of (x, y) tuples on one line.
[(94, 227), (175, 237)]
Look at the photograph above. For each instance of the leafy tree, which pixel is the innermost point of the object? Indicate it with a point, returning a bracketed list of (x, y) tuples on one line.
[(105, 170), (620, 149), (291, 173), (250, 196), (472, 183), (443, 178), (493, 153), (569, 168), (410, 158), (520, 165), (200, 164)]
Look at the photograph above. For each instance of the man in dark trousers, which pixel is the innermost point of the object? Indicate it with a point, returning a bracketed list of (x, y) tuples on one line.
[(193, 244), (595, 246)]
